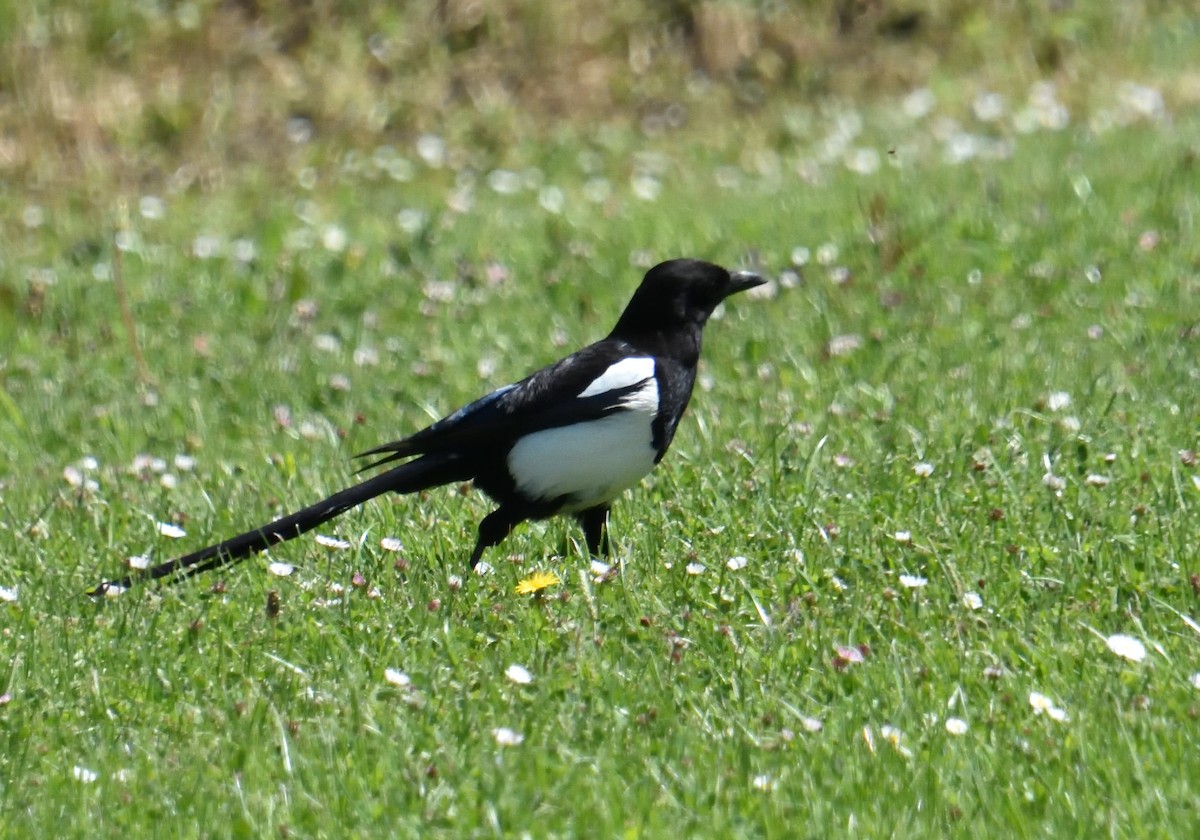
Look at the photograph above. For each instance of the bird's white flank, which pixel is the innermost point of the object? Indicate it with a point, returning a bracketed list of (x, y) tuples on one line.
[(592, 462)]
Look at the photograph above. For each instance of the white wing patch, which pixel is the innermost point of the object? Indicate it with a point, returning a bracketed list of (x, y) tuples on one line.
[(624, 373), (593, 462)]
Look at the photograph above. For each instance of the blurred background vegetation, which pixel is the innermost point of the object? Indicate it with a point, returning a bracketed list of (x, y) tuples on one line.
[(128, 95)]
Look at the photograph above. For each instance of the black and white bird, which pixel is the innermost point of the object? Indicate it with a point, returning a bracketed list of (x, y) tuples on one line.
[(568, 439)]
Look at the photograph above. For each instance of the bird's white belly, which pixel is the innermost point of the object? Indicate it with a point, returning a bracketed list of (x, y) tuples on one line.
[(586, 463)]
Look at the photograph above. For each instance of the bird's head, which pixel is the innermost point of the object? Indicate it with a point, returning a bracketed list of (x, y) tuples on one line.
[(680, 293)]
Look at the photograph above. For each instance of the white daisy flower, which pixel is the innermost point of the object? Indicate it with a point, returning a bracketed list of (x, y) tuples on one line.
[(518, 674), (172, 531), (397, 678), (506, 737), (332, 542)]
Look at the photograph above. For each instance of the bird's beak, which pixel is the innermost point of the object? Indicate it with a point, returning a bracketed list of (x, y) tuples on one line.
[(740, 281)]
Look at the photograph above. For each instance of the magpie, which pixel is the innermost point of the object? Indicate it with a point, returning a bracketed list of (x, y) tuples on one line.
[(566, 440)]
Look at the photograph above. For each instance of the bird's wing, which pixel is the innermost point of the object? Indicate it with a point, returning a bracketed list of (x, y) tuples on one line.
[(584, 386)]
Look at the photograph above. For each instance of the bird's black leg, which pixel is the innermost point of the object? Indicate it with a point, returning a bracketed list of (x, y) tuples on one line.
[(595, 529), (493, 529)]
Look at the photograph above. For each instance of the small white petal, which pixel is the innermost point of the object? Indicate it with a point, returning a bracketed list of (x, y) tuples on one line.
[(862, 161), (1058, 400), (84, 775), (1040, 702), (1195, 680), (736, 563), (506, 737), (1054, 482), (913, 581), (918, 103), (504, 181), (903, 537), (397, 678), (185, 463), (410, 220), (281, 569), (551, 199), (326, 343), (956, 726), (334, 239), (763, 781), (483, 568), (695, 568), (811, 724), (1095, 480), (923, 469), (206, 247), (8, 595), (972, 601), (827, 253), (518, 674), (172, 531), (139, 561), (244, 250), (1127, 647), (849, 655), (1044, 705), (646, 187), (391, 544), (432, 149)]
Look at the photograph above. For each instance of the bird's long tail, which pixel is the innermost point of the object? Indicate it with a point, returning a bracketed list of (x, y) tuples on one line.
[(421, 474)]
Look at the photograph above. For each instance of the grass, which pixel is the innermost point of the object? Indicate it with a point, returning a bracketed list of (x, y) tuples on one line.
[(118, 95), (1021, 323)]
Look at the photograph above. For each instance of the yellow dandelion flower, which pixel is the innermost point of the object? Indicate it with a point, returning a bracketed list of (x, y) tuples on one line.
[(536, 582)]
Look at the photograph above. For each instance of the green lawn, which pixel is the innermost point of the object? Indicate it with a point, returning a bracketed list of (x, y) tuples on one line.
[(954, 444)]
